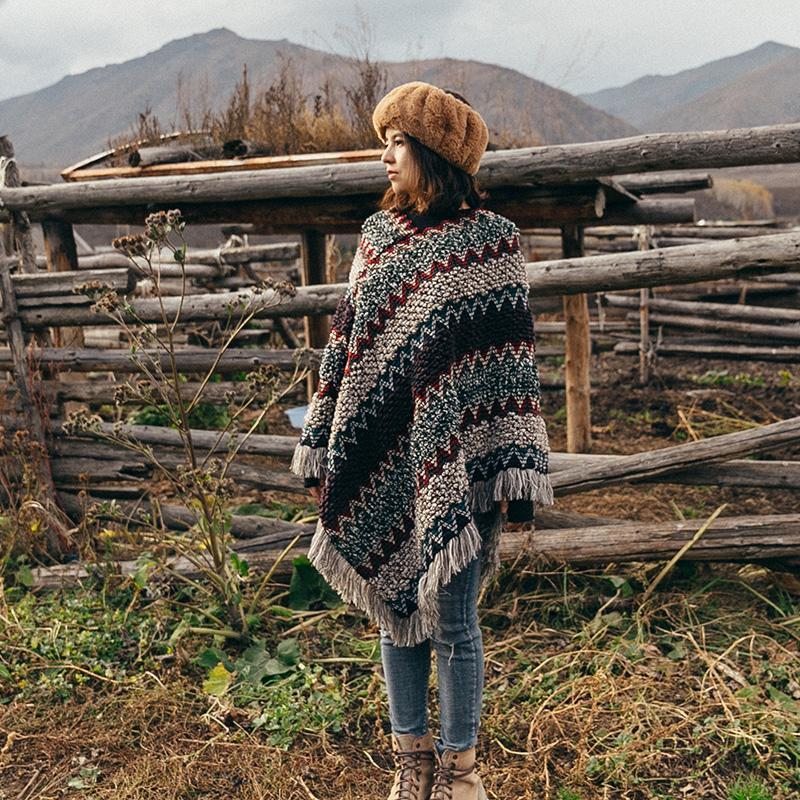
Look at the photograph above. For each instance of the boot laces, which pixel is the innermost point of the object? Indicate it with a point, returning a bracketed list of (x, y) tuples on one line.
[(443, 781), (408, 772)]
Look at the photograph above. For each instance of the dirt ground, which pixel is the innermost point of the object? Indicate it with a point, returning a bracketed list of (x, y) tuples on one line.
[(652, 725)]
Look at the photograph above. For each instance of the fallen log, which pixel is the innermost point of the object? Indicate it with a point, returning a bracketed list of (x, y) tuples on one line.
[(674, 459), (104, 392), (259, 530), (732, 539), (241, 148)]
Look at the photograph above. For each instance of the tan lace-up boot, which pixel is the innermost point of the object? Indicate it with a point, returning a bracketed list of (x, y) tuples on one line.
[(455, 777), (414, 759)]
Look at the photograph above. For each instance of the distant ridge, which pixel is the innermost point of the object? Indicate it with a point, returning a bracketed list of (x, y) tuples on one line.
[(758, 87), (77, 116)]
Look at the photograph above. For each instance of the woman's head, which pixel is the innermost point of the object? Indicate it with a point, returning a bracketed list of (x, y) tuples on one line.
[(422, 180), (434, 142)]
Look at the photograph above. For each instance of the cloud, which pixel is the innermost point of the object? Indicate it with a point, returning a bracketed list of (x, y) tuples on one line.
[(579, 46)]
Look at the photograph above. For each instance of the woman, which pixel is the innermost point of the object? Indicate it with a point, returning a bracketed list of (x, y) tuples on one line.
[(425, 431)]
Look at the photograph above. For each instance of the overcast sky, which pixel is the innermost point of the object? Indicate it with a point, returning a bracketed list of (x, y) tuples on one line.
[(578, 46)]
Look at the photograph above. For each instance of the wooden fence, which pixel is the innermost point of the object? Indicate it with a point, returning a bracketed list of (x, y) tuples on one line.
[(36, 303)]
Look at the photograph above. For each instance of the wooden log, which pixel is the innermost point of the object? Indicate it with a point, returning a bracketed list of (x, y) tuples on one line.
[(201, 308), (20, 221), (577, 363), (75, 471), (215, 441), (317, 328), (102, 392), (666, 266), (737, 539), (738, 257), (172, 154), (258, 530), (79, 172), (731, 539), (44, 284), (242, 148), (680, 457), (666, 182), (717, 232), (188, 359), (677, 348), (554, 164), (737, 472), (731, 311), (644, 236), (741, 330), (32, 411), (346, 214), (245, 254)]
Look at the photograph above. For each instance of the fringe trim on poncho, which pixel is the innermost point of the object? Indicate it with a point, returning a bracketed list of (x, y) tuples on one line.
[(512, 484), (406, 632)]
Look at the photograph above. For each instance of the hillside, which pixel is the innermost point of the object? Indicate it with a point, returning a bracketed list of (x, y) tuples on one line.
[(77, 116), (756, 87), (763, 96)]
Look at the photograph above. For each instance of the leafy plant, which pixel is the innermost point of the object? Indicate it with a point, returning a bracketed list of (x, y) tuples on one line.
[(201, 476), (749, 789), (308, 589)]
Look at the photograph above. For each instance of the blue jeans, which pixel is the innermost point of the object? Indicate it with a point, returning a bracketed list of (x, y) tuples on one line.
[(458, 644)]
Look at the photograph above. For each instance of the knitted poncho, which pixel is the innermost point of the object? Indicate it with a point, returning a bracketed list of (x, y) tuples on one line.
[(427, 411)]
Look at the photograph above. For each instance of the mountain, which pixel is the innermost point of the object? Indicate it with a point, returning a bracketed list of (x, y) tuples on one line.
[(78, 115), (757, 87)]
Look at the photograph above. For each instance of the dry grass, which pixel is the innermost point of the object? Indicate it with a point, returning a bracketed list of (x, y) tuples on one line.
[(283, 117), (587, 690)]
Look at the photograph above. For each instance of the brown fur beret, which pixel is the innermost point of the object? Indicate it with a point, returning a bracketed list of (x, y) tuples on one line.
[(445, 124)]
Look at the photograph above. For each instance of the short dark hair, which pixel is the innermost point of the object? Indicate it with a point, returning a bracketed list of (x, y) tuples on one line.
[(440, 189)]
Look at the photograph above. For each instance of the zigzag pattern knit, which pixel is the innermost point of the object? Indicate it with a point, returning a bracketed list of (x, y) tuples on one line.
[(427, 411)]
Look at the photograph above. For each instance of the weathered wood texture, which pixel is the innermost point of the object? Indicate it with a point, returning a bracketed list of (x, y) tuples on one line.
[(736, 472), (578, 348), (666, 266), (233, 255), (552, 164), (188, 359), (680, 457), (316, 327), (727, 539), (747, 331), (678, 349), (24, 382), (658, 267), (54, 284), (20, 221), (732, 311)]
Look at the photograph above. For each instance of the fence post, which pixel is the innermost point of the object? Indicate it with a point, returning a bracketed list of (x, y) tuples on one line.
[(24, 382), (317, 328), (578, 353)]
